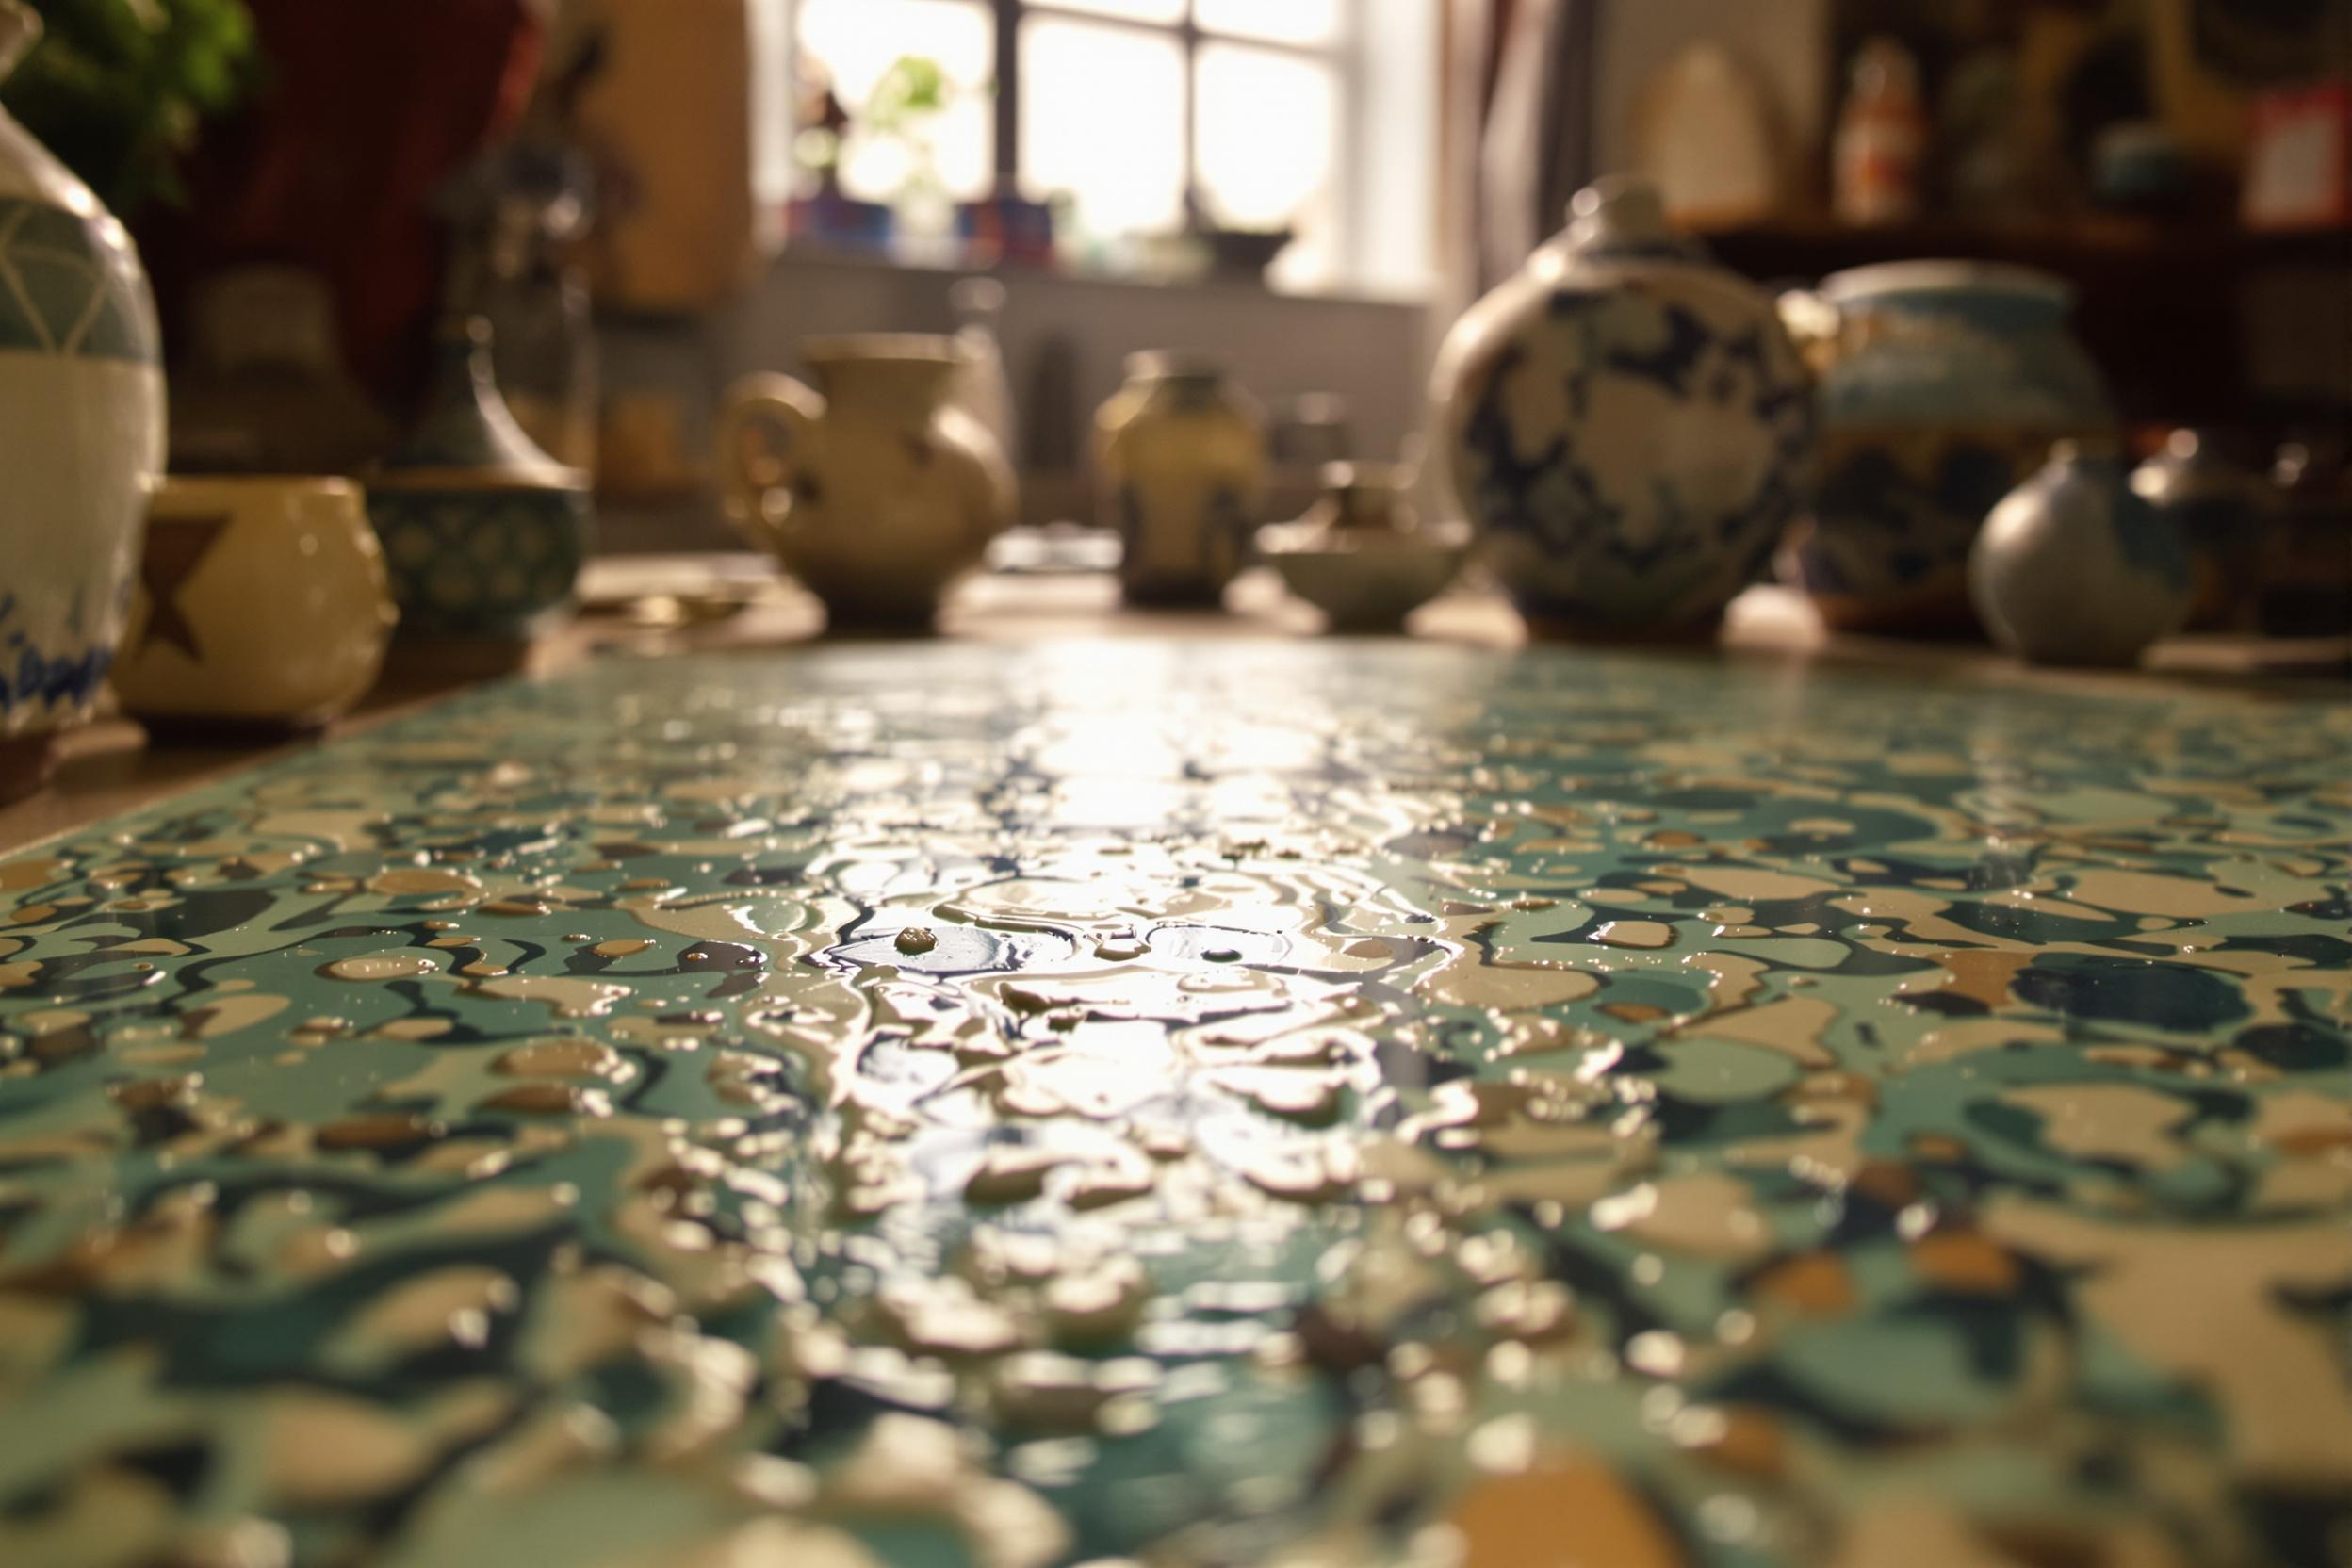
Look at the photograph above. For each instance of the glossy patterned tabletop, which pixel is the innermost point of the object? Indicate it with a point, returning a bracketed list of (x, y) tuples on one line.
[(1218, 1104)]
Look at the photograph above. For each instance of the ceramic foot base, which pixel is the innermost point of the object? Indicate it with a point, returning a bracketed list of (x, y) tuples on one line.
[(26, 764)]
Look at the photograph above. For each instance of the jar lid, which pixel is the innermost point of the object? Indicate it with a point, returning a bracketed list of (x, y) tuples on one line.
[(919, 348), (1887, 280), (1174, 365)]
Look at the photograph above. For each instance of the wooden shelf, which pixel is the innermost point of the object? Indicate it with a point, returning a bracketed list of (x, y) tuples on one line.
[(2159, 304), (1809, 247)]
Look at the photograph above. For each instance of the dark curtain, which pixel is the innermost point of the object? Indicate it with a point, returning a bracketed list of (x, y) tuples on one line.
[(1534, 126)]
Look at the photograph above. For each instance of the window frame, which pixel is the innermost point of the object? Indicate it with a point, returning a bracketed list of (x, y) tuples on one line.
[(1342, 56)]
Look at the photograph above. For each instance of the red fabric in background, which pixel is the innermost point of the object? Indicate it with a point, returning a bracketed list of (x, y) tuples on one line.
[(366, 106)]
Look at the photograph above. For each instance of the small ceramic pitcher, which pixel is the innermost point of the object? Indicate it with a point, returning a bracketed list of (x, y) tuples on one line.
[(2075, 568), (878, 495), (261, 601)]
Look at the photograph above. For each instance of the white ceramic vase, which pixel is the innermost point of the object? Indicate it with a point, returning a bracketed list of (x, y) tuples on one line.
[(81, 435), (2075, 568)]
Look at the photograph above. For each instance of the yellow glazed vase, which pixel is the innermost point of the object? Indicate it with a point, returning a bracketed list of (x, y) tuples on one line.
[(1180, 456), (260, 601), (876, 495)]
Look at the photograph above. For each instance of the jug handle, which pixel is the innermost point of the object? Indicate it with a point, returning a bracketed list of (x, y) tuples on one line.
[(1814, 323), (766, 436)]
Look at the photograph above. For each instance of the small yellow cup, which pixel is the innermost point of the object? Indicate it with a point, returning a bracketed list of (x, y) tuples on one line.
[(259, 601)]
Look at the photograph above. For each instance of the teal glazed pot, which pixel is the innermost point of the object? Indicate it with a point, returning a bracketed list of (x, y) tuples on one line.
[(2076, 567), (484, 533), (1944, 385), (1626, 424)]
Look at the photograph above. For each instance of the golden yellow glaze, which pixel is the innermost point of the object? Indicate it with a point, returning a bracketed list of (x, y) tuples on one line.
[(274, 606)]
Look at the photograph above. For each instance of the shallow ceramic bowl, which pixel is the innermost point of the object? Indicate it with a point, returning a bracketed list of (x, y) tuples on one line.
[(1369, 586)]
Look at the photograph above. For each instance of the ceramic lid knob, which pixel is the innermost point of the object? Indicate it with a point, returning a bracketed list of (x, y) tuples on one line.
[(1619, 212)]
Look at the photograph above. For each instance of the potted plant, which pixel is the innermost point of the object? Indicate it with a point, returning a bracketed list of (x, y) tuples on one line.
[(117, 89)]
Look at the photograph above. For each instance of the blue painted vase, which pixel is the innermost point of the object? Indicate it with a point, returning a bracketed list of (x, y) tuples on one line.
[(2075, 567), (1944, 385), (81, 438), (1626, 423), (484, 533)]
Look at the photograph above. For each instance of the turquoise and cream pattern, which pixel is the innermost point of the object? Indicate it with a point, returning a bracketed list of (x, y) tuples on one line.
[(1270, 1104), (492, 561), (81, 429)]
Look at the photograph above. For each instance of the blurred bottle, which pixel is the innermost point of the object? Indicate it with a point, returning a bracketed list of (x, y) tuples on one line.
[(519, 213), (265, 389), (1882, 138), (668, 111), (1181, 458), (982, 389)]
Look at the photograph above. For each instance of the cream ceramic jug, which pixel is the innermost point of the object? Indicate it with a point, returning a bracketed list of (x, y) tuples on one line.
[(878, 494)]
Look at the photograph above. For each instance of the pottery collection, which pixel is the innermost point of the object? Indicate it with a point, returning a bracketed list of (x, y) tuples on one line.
[(2223, 513), (877, 494), (1628, 424), (484, 534), (1180, 457), (81, 435), (216, 547), (2076, 567), (1362, 555), (1945, 385)]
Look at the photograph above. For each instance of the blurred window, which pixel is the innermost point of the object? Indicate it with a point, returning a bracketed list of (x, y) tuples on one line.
[(1260, 109)]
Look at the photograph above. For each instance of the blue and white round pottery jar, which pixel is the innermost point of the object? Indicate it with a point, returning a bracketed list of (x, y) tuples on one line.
[(484, 533), (2222, 510), (81, 438), (1626, 423), (2074, 567), (1944, 385)]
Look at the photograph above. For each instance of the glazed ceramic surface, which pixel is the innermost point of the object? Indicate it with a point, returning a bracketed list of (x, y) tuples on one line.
[(1627, 423), (1180, 454), (1947, 383), (942, 1105), (81, 426), (1361, 554), (2075, 567), (260, 599), (878, 494), (2222, 510), (484, 534)]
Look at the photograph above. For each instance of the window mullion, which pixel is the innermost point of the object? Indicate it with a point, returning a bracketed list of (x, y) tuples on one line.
[(1188, 31), (1008, 13)]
